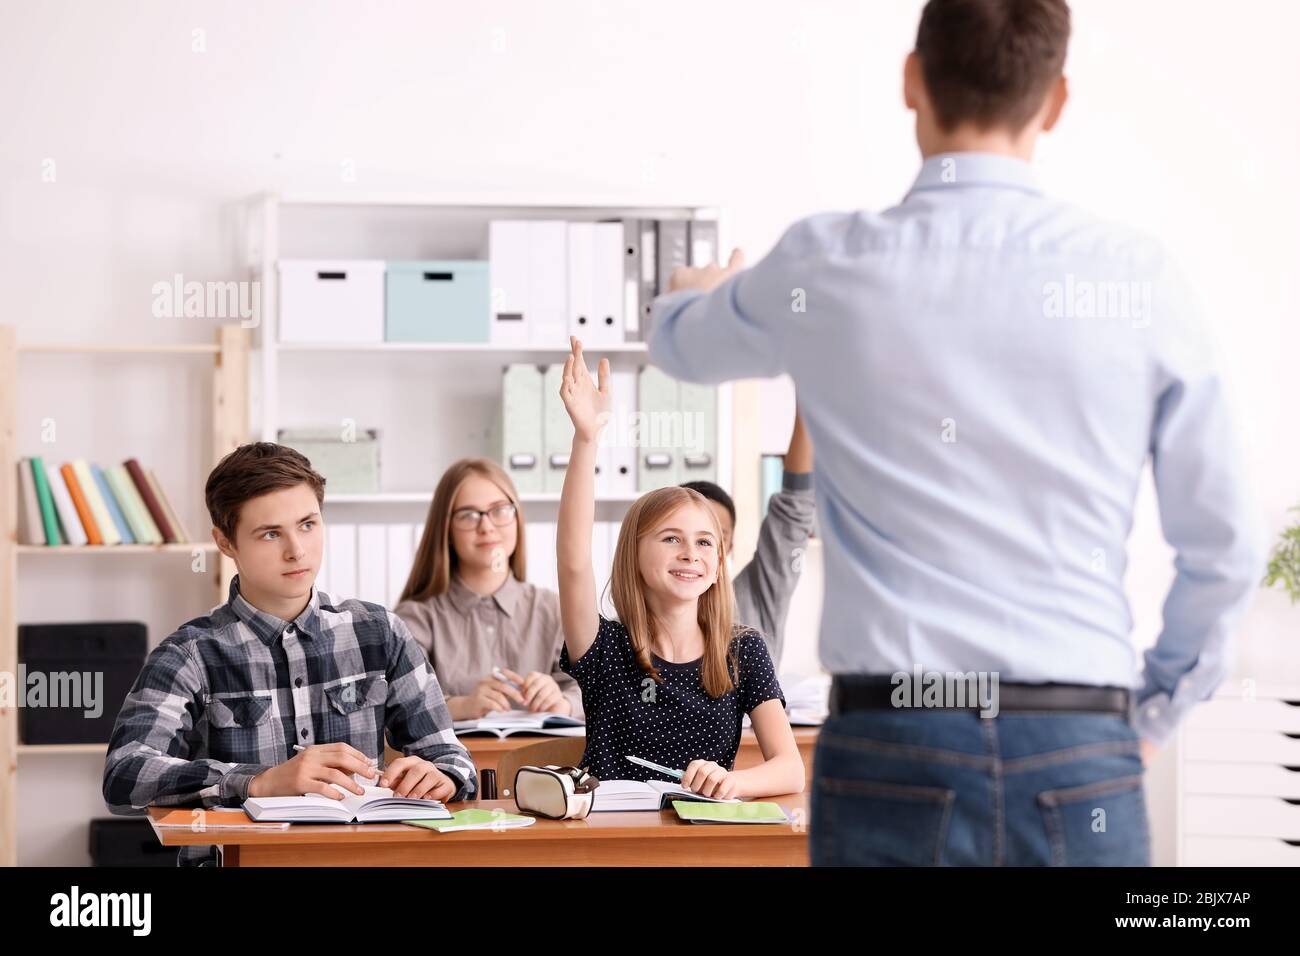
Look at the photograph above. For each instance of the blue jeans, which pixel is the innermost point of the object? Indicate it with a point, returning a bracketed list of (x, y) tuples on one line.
[(949, 788)]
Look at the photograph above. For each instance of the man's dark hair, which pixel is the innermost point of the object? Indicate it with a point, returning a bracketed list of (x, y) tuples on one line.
[(711, 491), (991, 62), (253, 470)]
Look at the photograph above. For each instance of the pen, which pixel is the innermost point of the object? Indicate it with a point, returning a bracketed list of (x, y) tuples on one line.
[(675, 774), (498, 674)]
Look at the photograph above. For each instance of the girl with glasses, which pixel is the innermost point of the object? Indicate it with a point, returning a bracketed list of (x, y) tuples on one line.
[(468, 603)]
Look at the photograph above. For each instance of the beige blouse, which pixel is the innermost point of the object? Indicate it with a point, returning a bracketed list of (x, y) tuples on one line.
[(466, 635)]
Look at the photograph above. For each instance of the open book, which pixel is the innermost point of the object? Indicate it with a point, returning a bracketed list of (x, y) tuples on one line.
[(644, 795), (503, 723), (376, 805)]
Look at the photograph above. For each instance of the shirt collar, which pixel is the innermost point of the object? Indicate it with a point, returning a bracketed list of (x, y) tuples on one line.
[(948, 170), (463, 598), (270, 628)]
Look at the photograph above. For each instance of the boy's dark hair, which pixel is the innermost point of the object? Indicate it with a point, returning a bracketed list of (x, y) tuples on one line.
[(251, 470), (711, 491), (991, 62)]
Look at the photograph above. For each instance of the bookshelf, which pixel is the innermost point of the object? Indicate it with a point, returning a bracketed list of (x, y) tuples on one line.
[(229, 354), (287, 383)]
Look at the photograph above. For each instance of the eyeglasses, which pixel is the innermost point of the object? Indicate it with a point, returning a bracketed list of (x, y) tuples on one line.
[(467, 519)]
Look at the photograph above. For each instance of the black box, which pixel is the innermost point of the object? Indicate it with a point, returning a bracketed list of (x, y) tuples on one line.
[(113, 649), (127, 841)]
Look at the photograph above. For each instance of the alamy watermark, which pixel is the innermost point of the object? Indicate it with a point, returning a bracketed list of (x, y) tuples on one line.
[(1077, 298), (179, 299), (75, 908), (83, 689), (946, 689)]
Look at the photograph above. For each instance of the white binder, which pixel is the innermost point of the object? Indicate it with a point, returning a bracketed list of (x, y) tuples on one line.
[(508, 269), (372, 563), (539, 553), (608, 289), (631, 280), (704, 242), (342, 544), (620, 436), (401, 556), (548, 285), (582, 257)]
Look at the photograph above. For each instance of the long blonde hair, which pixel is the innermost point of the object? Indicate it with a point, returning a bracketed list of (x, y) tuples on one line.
[(435, 558), (714, 609)]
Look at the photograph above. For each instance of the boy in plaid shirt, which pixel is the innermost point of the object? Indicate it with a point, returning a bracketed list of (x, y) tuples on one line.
[(216, 712)]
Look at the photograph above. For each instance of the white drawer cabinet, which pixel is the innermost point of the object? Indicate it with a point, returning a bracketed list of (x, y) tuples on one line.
[(1239, 780), (1239, 851)]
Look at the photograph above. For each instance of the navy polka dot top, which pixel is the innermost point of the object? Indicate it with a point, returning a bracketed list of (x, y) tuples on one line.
[(672, 722)]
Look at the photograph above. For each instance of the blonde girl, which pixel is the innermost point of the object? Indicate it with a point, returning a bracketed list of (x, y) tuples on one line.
[(672, 679)]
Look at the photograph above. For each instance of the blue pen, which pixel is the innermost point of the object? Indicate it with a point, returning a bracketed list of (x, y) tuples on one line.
[(675, 774)]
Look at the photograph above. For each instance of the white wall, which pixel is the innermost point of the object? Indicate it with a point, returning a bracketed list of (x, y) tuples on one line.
[(1182, 120)]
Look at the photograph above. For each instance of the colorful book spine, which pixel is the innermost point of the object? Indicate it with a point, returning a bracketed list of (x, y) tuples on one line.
[(45, 498), (98, 508), (80, 505), (110, 501), (182, 536), (73, 531), (31, 530), (150, 500), (142, 526)]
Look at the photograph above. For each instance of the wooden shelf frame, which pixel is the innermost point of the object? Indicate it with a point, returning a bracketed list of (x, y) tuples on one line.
[(230, 412)]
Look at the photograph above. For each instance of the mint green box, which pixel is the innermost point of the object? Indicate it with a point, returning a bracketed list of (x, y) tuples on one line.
[(437, 300)]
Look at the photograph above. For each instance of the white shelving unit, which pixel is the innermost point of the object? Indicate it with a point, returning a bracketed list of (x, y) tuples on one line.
[(290, 379)]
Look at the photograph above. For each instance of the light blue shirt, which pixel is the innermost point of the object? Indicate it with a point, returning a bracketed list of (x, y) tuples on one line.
[(984, 372)]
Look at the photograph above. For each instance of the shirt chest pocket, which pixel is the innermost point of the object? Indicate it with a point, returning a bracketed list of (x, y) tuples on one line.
[(352, 694), (239, 711)]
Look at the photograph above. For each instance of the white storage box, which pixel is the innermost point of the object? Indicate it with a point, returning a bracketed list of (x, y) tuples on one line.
[(338, 300)]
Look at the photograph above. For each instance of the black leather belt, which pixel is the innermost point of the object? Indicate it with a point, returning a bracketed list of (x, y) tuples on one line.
[(851, 692)]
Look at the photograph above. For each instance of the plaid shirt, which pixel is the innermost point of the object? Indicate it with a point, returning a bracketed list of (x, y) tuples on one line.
[(228, 695)]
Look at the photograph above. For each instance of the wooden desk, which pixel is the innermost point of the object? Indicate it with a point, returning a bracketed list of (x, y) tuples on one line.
[(487, 750), (642, 838)]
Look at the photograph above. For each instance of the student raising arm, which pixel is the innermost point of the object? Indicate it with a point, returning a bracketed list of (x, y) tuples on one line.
[(671, 680)]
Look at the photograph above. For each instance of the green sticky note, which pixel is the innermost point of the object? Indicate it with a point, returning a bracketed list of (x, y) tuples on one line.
[(475, 820), (756, 811)]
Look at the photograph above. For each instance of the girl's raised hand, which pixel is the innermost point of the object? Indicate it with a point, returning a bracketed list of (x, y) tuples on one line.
[(586, 403)]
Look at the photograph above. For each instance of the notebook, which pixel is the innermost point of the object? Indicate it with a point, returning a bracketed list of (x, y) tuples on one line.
[(503, 723), (376, 805), (212, 818), (614, 795), (476, 820), (756, 811)]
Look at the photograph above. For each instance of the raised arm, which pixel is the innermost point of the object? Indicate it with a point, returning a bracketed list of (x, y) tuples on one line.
[(588, 407), (799, 456), (766, 585)]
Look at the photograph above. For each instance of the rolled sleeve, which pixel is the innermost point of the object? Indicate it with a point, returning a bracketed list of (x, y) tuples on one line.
[(739, 329)]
